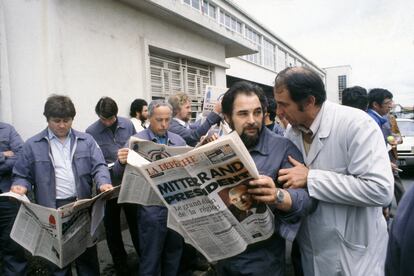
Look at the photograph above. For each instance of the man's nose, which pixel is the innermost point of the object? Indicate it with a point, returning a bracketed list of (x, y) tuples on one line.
[(250, 118), (279, 112)]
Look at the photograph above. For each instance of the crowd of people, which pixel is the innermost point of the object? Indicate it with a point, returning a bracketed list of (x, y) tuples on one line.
[(327, 171)]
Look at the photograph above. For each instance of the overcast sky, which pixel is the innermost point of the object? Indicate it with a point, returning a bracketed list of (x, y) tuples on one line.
[(374, 37)]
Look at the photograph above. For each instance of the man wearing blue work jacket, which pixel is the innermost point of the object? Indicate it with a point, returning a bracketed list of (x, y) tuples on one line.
[(59, 164)]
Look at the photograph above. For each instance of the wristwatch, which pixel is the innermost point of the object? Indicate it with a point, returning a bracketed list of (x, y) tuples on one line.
[(280, 196)]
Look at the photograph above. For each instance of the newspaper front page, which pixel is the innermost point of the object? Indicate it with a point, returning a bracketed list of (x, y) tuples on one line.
[(205, 191), (59, 235), (135, 188)]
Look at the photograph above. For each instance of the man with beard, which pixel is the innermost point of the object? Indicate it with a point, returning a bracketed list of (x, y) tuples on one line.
[(244, 106), (139, 114), (181, 105)]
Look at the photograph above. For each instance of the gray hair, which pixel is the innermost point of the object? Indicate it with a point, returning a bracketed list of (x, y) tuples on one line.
[(155, 104)]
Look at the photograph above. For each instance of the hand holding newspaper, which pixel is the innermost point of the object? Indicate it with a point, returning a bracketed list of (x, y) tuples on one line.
[(59, 235), (205, 191)]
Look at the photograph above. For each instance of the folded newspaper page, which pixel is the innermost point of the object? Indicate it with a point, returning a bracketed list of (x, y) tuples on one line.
[(134, 187), (59, 235), (205, 191)]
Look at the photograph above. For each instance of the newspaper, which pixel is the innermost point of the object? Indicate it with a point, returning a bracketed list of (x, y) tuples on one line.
[(134, 187), (212, 95), (59, 235), (205, 191)]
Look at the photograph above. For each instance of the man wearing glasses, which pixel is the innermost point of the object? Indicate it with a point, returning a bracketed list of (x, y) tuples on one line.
[(380, 105)]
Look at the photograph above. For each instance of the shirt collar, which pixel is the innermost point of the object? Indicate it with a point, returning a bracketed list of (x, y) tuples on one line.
[(315, 124), (155, 138), (52, 136), (181, 122)]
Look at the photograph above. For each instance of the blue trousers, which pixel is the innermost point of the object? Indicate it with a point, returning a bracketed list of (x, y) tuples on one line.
[(14, 261), (113, 231), (263, 258), (160, 248), (87, 264)]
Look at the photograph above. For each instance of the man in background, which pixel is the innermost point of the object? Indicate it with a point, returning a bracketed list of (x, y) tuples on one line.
[(160, 248), (355, 96), (11, 254), (180, 125), (111, 132), (139, 114), (380, 105)]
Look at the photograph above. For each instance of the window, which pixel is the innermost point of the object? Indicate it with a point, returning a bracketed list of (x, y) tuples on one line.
[(209, 9), (268, 54), (290, 61), (170, 74), (230, 22), (281, 60), (193, 3), (256, 39), (341, 86)]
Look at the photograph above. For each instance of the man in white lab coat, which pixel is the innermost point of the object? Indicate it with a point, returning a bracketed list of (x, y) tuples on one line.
[(347, 170)]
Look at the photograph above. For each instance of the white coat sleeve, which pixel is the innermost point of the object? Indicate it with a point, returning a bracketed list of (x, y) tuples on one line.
[(367, 179)]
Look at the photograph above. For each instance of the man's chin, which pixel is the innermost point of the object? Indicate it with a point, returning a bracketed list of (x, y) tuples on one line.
[(250, 140)]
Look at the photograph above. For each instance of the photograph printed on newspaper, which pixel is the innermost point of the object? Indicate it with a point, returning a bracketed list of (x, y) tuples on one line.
[(205, 191)]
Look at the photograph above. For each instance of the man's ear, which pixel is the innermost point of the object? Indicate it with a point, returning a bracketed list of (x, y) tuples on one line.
[(376, 106), (310, 101), (226, 118)]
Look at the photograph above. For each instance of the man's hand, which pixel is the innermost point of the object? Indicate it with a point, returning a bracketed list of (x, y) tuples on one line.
[(207, 139), (18, 189), (123, 155), (8, 153), (217, 107), (295, 177), (105, 187), (264, 190), (394, 168)]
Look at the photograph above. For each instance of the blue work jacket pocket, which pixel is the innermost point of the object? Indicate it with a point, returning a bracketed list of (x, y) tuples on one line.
[(4, 143), (43, 169), (82, 162)]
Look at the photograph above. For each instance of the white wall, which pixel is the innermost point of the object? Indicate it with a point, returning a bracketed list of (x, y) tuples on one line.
[(331, 84), (243, 69), (86, 49)]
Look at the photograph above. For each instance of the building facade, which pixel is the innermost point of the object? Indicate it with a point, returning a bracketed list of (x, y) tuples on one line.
[(128, 49), (337, 79)]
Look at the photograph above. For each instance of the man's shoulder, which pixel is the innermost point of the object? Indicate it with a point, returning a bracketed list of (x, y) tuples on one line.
[(83, 135), (176, 139), (175, 124), (93, 127), (273, 138), (6, 129), (125, 122), (5, 126), (143, 134)]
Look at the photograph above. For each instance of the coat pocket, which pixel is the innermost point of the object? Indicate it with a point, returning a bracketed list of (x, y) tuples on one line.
[(352, 256)]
